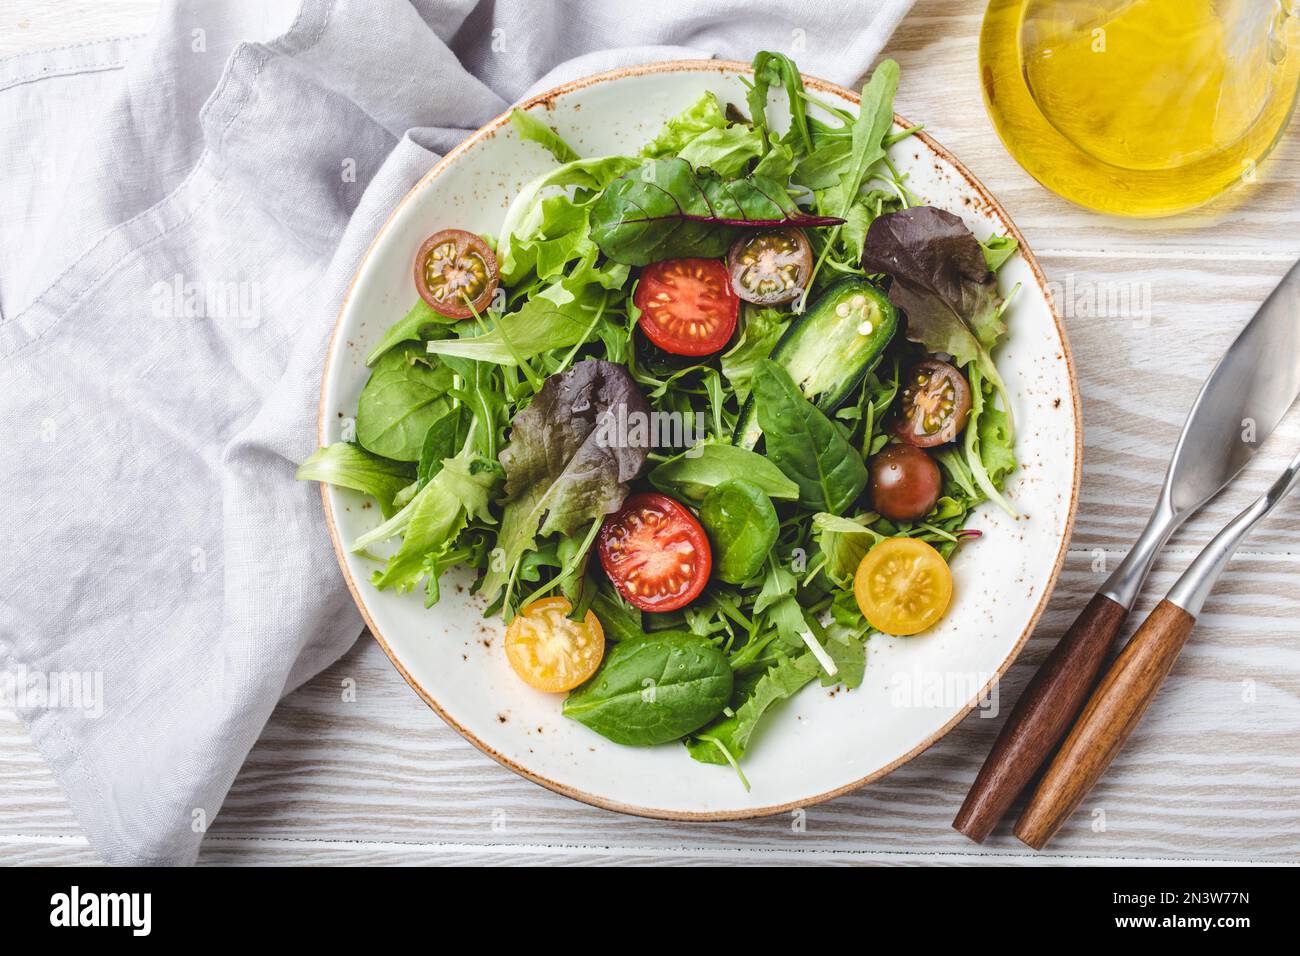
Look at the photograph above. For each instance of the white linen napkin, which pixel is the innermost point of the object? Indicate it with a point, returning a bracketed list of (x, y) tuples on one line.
[(179, 216)]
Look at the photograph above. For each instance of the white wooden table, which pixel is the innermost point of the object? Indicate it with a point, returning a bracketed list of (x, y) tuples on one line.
[(1213, 773)]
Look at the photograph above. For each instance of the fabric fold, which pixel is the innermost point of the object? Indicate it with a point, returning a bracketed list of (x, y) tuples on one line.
[(184, 214)]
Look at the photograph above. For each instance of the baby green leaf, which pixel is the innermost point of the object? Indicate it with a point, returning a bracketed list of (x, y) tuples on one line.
[(405, 394), (653, 689), (742, 525), (805, 444), (348, 465)]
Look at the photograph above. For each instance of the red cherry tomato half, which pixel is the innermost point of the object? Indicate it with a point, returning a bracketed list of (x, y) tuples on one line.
[(687, 305), (456, 273), (655, 553)]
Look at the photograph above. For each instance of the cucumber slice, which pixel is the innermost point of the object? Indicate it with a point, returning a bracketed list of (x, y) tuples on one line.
[(830, 348)]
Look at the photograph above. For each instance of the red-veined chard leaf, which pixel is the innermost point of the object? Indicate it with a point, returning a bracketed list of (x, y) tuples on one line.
[(664, 209)]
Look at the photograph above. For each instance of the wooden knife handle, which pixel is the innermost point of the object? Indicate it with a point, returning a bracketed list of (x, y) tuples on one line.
[(1111, 713), (1041, 717)]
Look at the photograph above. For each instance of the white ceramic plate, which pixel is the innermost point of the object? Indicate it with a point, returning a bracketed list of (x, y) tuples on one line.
[(821, 743)]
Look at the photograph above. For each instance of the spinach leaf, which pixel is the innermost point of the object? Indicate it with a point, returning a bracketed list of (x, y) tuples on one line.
[(844, 542), (529, 127), (743, 527), (654, 689), (805, 444), (732, 735), (566, 465), (405, 394), (444, 439), (348, 465), (414, 326), (666, 209), (694, 473), (704, 115), (942, 281)]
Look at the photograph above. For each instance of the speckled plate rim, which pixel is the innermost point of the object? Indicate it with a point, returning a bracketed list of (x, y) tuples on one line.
[(991, 204)]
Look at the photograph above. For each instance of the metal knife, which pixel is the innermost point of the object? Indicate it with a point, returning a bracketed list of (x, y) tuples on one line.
[(1244, 398), (1131, 683)]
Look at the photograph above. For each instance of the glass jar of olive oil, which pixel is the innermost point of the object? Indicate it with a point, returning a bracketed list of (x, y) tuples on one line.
[(1140, 107)]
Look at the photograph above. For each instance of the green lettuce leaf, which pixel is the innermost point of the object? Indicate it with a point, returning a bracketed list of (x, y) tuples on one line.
[(348, 465), (534, 130), (702, 116)]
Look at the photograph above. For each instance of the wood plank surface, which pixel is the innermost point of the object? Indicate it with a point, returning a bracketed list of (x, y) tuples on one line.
[(1213, 772)]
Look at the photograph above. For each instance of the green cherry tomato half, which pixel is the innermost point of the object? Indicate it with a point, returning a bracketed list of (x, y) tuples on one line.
[(743, 525)]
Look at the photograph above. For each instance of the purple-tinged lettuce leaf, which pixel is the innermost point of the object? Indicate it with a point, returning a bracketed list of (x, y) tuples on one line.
[(942, 282), (567, 464)]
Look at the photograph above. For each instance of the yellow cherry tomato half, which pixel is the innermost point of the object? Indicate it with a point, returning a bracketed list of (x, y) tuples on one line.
[(903, 586), (551, 652)]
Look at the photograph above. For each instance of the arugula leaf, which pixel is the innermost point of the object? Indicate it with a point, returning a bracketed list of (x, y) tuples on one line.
[(697, 471), (348, 465), (777, 69), (620, 621), (665, 209), (780, 682), (563, 468), (704, 115), (845, 640), (480, 392), (531, 128), (866, 145), (805, 444), (405, 394), (779, 583)]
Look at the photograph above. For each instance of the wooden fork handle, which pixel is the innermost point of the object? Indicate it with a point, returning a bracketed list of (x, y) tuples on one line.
[(1108, 719), (1041, 716)]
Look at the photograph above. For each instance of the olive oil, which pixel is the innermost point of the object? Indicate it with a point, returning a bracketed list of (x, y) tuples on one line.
[(1140, 107)]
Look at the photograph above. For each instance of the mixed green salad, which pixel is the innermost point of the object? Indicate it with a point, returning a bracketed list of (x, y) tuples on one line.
[(701, 419)]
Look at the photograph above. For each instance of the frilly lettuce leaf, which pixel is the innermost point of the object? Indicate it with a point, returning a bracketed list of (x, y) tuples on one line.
[(562, 470)]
